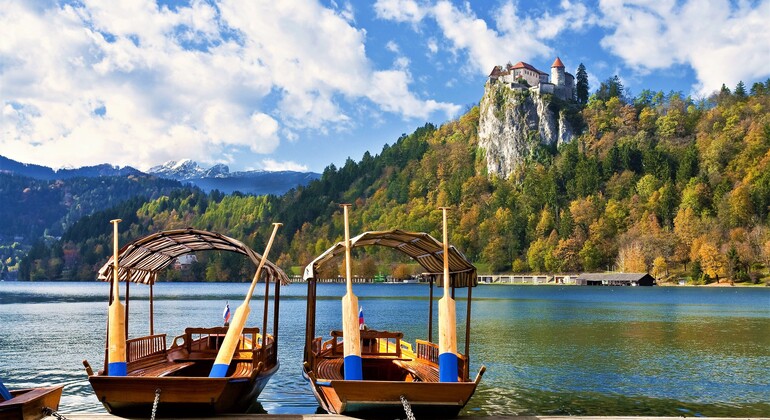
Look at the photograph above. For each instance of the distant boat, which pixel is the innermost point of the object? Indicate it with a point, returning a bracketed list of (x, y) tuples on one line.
[(177, 377), (30, 403), (394, 374)]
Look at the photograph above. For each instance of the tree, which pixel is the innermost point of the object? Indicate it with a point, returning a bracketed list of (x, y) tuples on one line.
[(740, 90), (581, 86), (659, 267), (610, 88)]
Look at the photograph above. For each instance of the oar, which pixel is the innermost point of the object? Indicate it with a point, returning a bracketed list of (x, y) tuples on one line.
[(447, 323), (352, 335), (116, 356), (4, 392), (225, 354)]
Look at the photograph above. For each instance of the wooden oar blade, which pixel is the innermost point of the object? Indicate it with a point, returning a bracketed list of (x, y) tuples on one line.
[(447, 332), (353, 368), (227, 350), (116, 351), (116, 356), (225, 353)]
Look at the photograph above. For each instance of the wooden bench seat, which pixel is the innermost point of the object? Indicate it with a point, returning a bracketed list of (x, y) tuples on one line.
[(330, 369), (243, 369), (421, 371), (162, 369)]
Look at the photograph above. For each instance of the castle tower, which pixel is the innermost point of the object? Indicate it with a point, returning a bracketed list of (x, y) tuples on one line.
[(557, 73)]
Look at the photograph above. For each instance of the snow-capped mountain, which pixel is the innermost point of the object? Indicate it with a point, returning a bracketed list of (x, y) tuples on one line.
[(183, 170), (219, 177)]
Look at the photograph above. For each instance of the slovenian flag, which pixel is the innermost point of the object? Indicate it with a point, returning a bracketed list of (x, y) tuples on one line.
[(226, 313), (361, 318)]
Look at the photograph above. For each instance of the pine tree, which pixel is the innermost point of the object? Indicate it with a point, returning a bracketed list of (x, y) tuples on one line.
[(740, 90), (582, 87)]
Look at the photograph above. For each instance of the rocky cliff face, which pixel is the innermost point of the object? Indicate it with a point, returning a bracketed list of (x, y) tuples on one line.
[(513, 123)]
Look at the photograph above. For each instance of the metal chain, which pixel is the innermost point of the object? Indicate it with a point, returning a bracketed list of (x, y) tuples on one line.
[(48, 411), (407, 408), (155, 403)]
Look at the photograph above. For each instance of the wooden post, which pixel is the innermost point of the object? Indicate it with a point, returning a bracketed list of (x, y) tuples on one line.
[(152, 312), (468, 330), (430, 312), (276, 301), (128, 301)]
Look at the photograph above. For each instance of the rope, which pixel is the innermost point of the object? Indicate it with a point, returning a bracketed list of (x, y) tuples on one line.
[(48, 411), (407, 408), (155, 403)]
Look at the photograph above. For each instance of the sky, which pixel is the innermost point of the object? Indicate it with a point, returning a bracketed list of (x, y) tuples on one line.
[(302, 84)]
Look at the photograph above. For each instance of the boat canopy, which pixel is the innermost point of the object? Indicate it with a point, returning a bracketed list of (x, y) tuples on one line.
[(141, 260), (422, 247)]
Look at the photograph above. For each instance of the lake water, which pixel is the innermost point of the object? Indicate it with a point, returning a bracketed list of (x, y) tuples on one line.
[(549, 350)]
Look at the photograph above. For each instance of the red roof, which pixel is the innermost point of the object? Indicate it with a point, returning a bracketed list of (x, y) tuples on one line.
[(557, 63), (523, 65)]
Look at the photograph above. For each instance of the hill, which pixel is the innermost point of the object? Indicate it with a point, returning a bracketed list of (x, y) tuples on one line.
[(657, 182)]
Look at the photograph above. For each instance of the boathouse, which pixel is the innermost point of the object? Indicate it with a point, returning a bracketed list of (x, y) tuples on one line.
[(615, 279)]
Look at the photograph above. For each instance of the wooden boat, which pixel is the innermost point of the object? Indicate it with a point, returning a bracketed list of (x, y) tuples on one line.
[(30, 403), (396, 375), (176, 376)]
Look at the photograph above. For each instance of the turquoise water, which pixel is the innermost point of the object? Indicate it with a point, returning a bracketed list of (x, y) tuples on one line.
[(549, 350)]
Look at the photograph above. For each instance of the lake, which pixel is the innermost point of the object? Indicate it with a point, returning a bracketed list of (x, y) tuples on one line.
[(549, 350)]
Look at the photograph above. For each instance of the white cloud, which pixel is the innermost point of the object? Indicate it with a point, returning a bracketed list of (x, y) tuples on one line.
[(514, 36), (400, 10), (134, 83), (722, 41), (273, 166), (432, 45)]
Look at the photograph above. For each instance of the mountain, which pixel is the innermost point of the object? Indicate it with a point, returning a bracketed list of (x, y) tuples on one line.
[(220, 178), (11, 166)]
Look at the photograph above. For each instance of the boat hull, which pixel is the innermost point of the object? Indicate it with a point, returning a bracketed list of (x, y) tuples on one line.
[(28, 404), (383, 398), (180, 396)]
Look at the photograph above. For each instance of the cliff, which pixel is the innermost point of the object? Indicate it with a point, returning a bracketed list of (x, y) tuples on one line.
[(514, 123)]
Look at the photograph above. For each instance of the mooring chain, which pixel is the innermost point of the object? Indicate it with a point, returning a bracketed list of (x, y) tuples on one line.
[(48, 411), (155, 403), (407, 408)]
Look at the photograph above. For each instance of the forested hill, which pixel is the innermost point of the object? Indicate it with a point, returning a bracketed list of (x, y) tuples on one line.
[(657, 182)]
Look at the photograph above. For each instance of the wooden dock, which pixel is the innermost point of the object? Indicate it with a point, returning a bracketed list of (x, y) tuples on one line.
[(89, 416)]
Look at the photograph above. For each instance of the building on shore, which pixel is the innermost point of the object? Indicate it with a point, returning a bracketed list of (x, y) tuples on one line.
[(615, 279)]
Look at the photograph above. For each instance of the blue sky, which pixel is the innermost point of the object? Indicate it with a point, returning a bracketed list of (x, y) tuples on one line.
[(301, 84)]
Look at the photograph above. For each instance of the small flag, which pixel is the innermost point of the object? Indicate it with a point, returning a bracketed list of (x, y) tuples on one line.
[(226, 313), (361, 318)]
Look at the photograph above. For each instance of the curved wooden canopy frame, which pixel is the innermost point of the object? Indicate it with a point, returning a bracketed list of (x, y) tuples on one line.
[(141, 260), (421, 247)]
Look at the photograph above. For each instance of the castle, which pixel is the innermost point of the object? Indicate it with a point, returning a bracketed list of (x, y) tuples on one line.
[(521, 76)]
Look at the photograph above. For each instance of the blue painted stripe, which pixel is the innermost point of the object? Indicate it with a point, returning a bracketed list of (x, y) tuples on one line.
[(219, 370), (6, 394), (352, 368), (117, 369), (447, 367)]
